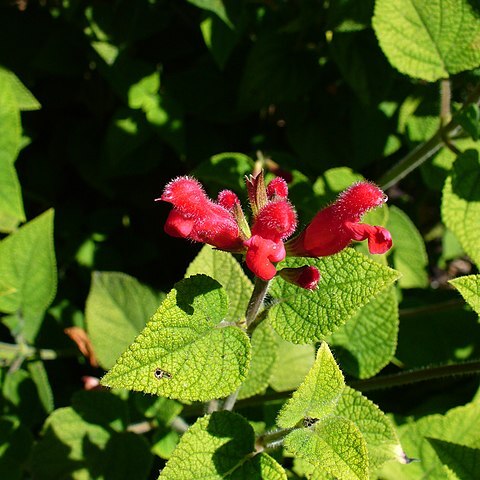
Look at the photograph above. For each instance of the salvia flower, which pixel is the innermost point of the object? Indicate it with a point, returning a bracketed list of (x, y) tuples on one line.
[(334, 227), (306, 277), (223, 225)]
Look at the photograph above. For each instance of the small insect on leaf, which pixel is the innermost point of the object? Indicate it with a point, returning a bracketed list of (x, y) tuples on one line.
[(159, 374), (309, 422)]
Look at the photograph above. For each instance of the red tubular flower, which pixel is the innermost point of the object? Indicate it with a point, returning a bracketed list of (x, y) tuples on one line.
[(334, 227), (261, 252), (276, 221), (196, 217), (305, 277)]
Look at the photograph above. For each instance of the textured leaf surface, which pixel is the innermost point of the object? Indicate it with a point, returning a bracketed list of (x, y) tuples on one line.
[(27, 265), (428, 39), (185, 352), (461, 202), (11, 203), (335, 444), (223, 267), (264, 355), (220, 446), (94, 449), (459, 425), (292, 364), (463, 461), (117, 308), (317, 396), (349, 281), (409, 253), (377, 430), (369, 339), (469, 287)]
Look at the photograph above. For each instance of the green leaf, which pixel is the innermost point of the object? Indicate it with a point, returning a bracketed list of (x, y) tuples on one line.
[(377, 430), (292, 364), (369, 339), (15, 444), (349, 281), (9, 119), (461, 202), (223, 268), (219, 39), (463, 461), (11, 202), (334, 444), (317, 396), (409, 253), (459, 425), (94, 449), (23, 97), (469, 288), (215, 6), (332, 182), (27, 264), (469, 119), (117, 308), (428, 39), (264, 355), (220, 446), (40, 378), (185, 352), (225, 169)]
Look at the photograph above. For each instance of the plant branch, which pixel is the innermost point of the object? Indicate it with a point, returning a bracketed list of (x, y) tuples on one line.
[(425, 150), (9, 352), (420, 375)]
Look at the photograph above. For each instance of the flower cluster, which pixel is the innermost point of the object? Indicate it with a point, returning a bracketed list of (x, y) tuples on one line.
[(222, 224)]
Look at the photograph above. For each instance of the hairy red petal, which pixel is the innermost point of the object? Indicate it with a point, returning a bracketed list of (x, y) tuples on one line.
[(379, 238), (177, 225), (227, 199), (276, 221), (277, 188), (261, 252)]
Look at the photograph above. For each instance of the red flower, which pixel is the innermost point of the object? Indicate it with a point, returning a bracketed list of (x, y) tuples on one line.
[(198, 218), (305, 277), (334, 227)]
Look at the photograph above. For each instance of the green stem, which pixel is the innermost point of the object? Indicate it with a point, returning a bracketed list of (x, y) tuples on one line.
[(255, 303), (263, 441), (414, 376), (10, 351), (425, 150)]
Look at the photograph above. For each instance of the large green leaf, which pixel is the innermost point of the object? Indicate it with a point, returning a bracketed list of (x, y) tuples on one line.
[(80, 443), (318, 394), (23, 97), (409, 253), (459, 425), (349, 281), (27, 264), (185, 352), (118, 307), (9, 119), (428, 39), (335, 445), (461, 202), (220, 446), (469, 287), (222, 267), (369, 339)]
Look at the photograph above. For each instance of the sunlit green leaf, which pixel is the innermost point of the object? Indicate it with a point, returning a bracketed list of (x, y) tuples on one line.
[(428, 39), (469, 287), (185, 352)]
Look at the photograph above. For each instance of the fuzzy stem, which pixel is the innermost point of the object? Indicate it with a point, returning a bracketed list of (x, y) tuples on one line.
[(414, 376), (256, 301), (271, 437), (425, 150)]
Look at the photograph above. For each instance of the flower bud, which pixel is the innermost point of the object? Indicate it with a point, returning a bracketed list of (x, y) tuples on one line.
[(305, 277), (277, 188)]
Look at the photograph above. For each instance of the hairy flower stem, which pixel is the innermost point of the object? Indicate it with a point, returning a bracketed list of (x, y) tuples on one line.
[(425, 150), (255, 303), (272, 438)]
